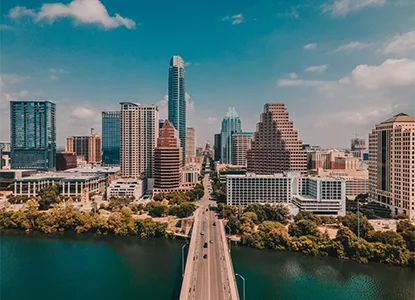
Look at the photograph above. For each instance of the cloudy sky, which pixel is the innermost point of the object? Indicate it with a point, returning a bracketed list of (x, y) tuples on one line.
[(341, 66)]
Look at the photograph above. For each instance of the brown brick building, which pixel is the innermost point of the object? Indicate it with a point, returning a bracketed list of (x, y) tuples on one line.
[(275, 147)]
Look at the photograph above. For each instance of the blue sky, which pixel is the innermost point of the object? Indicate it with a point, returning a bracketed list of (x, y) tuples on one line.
[(341, 66)]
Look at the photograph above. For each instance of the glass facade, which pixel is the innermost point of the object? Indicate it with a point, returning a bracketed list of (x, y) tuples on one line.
[(230, 124), (111, 130), (177, 100), (33, 135)]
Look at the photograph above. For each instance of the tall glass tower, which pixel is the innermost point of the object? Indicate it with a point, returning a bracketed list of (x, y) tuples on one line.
[(177, 100), (111, 131), (33, 135), (231, 123)]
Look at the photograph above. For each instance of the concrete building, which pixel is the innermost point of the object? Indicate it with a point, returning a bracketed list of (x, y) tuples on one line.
[(177, 100), (190, 143), (325, 158), (86, 147), (275, 147), (139, 133), (33, 135), (190, 175), (167, 158), (231, 124), (7, 177), (111, 138), (392, 164), (69, 184), (65, 161), (127, 187), (323, 196), (241, 142)]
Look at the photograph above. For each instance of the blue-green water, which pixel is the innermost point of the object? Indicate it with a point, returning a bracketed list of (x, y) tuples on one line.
[(87, 267)]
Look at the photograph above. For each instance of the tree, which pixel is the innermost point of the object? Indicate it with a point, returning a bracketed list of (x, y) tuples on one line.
[(308, 215), (157, 209), (303, 227), (183, 210), (226, 211), (350, 221), (251, 215), (126, 211), (386, 237), (47, 196)]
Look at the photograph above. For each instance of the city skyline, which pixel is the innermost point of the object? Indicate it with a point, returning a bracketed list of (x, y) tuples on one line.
[(337, 68)]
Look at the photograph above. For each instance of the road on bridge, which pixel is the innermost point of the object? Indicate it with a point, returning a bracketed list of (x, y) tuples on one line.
[(209, 273)]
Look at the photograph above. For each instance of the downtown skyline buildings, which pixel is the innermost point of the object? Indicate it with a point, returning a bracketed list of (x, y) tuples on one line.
[(177, 100), (231, 123)]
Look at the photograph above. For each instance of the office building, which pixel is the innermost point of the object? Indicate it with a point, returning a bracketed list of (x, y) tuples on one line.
[(111, 138), (217, 147), (87, 147), (127, 187), (33, 135), (241, 142), (65, 161), (177, 100), (167, 158), (325, 158), (231, 124), (7, 177), (275, 147), (190, 142), (323, 196), (139, 133), (392, 164)]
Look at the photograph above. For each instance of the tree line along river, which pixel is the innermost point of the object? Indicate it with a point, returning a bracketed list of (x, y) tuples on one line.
[(37, 266)]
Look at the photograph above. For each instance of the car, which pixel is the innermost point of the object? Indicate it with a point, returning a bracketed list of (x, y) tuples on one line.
[(207, 209), (205, 245), (202, 233), (205, 256), (214, 224), (211, 241)]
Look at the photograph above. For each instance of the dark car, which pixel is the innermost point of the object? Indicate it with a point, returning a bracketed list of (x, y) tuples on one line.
[(205, 245), (205, 256), (214, 224)]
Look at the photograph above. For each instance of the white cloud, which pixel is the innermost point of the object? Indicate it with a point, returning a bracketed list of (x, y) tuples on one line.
[(401, 44), (310, 46), (318, 69), (83, 113), (211, 120), (6, 27), (237, 19), (187, 63), (21, 11), (58, 71), (225, 18), (353, 46), (163, 107), (340, 8), (81, 11), (53, 77), (293, 75)]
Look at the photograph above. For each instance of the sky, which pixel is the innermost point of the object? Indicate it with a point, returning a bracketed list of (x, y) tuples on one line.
[(340, 66)]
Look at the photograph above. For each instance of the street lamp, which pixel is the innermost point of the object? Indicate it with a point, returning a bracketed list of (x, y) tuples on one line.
[(183, 259), (243, 286)]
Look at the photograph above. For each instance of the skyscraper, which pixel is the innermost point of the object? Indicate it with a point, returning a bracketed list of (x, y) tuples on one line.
[(139, 133), (217, 148), (241, 142), (190, 142), (177, 99), (87, 147), (231, 123), (275, 147), (111, 131), (167, 158), (391, 164), (33, 135)]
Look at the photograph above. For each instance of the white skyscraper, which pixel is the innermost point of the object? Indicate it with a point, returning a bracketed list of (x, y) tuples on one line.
[(139, 133)]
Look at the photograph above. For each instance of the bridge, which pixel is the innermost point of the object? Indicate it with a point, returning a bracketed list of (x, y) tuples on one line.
[(209, 273)]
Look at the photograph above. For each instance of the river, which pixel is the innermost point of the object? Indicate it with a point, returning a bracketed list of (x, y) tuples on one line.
[(71, 267)]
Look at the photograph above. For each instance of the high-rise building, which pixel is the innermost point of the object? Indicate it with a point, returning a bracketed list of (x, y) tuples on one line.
[(167, 158), (231, 124), (139, 133), (392, 164), (111, 131), (275, 147), (33, 135), (217, 146), (190, 142), (177, 100), (86, 147), (241, 142)]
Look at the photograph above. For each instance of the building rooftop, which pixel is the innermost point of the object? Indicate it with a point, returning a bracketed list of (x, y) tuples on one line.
[(401, 117)]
